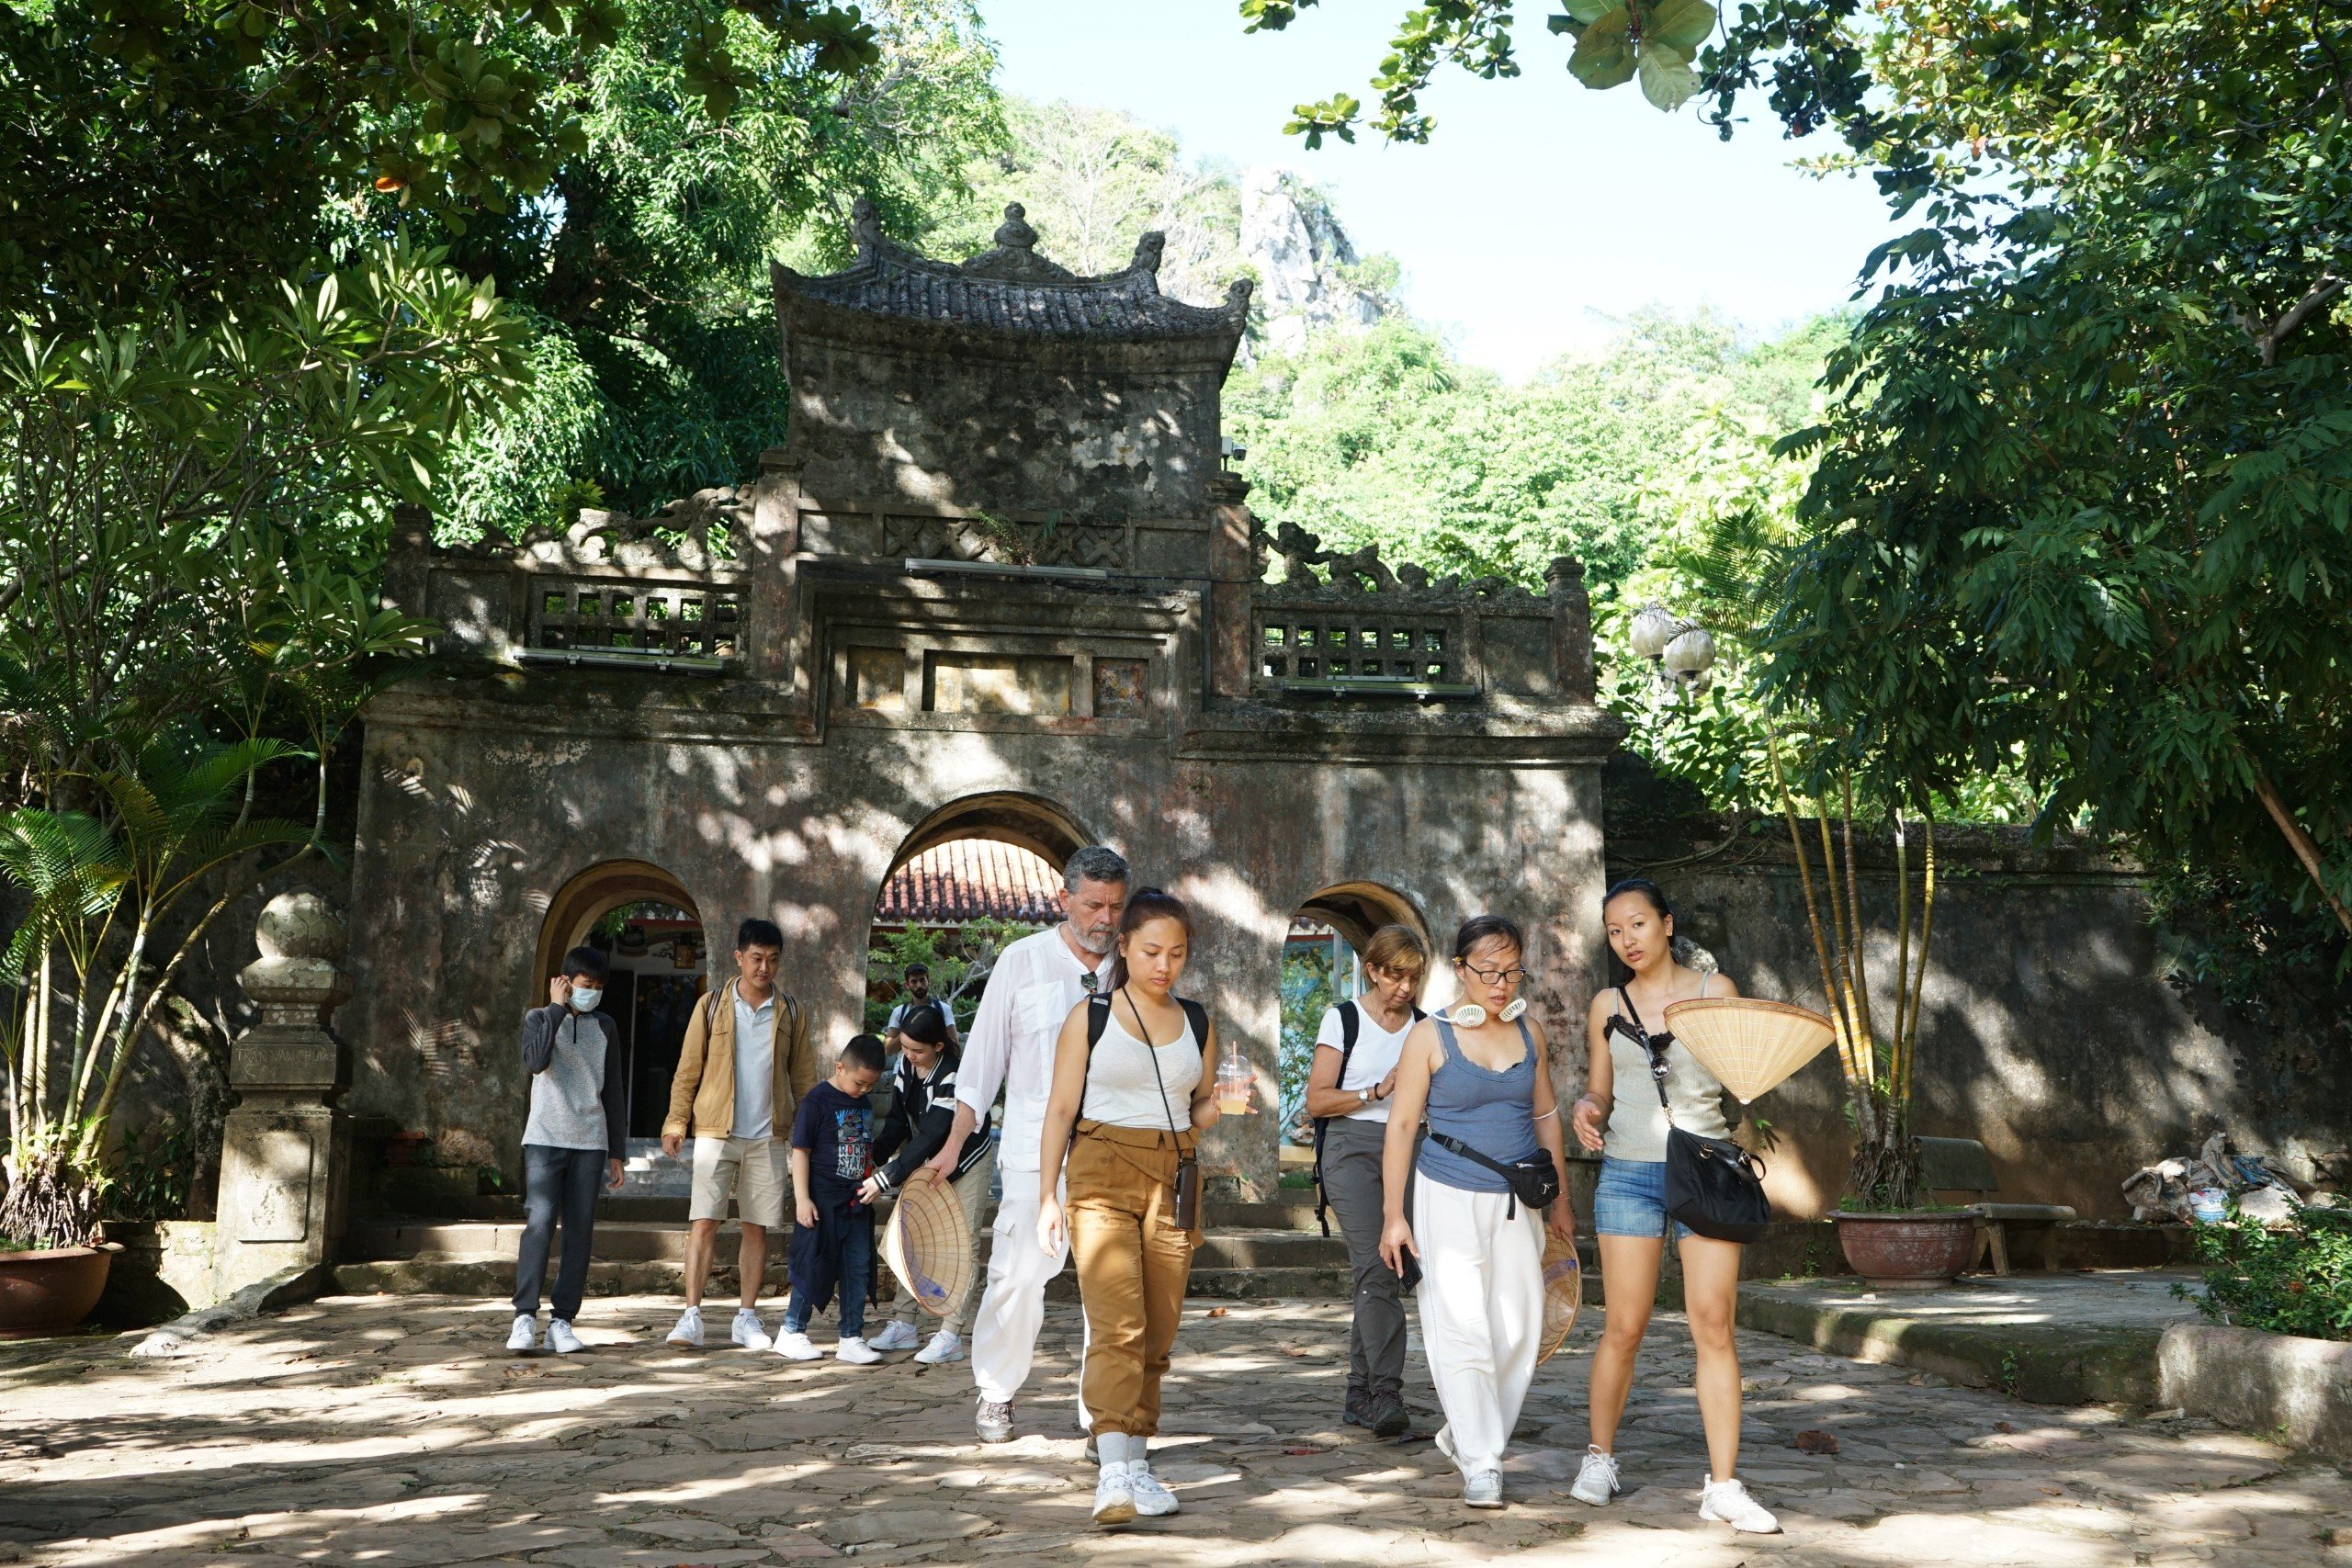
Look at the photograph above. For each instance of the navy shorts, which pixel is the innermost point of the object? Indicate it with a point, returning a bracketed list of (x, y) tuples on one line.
[(1630, 1199)]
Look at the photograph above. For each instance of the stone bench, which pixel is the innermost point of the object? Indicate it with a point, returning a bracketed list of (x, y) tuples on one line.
[(1961, 1166)]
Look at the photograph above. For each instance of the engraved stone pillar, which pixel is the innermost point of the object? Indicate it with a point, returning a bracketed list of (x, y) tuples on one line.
[(1571, 629), (1233, 575), (285, 1150)]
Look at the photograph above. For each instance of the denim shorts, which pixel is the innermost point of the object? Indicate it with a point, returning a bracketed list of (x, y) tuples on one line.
[(1630, 1199)]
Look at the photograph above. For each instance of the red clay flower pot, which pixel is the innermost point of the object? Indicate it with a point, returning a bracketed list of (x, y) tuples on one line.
[(1907, 1252), (49, 1293)]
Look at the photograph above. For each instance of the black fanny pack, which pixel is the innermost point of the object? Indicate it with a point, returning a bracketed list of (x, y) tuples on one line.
[(1535, 1182)]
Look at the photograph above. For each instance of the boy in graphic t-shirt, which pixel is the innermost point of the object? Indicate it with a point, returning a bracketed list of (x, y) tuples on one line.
[(833, 1244)]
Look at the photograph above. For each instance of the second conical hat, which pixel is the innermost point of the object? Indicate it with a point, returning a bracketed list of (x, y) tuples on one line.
[(1751, 1045), (1562, 1293), (928, 1243)]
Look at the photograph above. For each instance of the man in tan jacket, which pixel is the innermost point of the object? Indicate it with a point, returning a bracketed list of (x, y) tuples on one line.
[(746, 1062)]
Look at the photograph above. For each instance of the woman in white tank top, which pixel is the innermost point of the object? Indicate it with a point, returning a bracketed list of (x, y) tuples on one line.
[(1620, 1116), (1134, 1080)]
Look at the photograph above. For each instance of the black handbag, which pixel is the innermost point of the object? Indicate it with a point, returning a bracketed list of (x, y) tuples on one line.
[(1712, 1184)]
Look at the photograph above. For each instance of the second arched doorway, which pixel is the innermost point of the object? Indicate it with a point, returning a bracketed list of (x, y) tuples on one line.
[(645, 924), (1320, 969)]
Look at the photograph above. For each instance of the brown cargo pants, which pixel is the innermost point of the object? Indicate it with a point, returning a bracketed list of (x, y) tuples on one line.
[(1132, 1266)]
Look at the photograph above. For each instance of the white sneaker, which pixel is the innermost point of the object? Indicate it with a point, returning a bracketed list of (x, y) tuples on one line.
[(855, 1351), (1483, 1489), (993, 1420), (562, 1340), (945, 1345), (525, 1338), (1115, 1498), (1727, 1502), (796, 1347), (1153, 1501), (689, 1330), (896, 1336), (748, 1331), (1596, 1478)]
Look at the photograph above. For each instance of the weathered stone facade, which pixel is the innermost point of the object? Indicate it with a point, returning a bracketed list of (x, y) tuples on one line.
[(997, 582)]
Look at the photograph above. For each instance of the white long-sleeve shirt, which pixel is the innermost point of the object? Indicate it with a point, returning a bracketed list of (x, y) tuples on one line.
[(1011, 1044)]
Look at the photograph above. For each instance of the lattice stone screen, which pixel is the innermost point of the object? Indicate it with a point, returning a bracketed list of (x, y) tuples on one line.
[(671, 619), (1320, 645)]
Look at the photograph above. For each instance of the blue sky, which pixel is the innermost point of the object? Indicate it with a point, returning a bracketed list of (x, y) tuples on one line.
[(1539, 210)]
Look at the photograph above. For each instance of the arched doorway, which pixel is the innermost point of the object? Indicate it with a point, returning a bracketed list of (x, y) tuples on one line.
[(1320, 969), (645, 923), (973, 875)]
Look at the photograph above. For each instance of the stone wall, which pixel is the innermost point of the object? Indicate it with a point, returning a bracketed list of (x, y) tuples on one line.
[(2054, 1030)]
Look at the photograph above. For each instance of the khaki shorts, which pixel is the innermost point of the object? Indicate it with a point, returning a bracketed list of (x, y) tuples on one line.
[(752, 1171)]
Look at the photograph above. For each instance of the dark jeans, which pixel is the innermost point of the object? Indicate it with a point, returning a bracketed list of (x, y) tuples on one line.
[(557, 1182), (855, 1281)]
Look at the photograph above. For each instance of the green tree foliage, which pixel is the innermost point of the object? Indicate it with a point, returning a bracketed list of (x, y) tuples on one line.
[(1384, 436), (645, 266), (2084, 497), (157, 148)]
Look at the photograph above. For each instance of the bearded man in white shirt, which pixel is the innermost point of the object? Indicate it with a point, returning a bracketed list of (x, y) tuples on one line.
[(1031, 991)]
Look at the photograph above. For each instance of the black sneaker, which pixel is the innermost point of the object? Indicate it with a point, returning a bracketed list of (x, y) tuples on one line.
[(1385, 1415), (1357, 1400)]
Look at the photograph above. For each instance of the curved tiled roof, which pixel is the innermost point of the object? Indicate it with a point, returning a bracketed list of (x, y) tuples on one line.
[(1011, 289), (971, 879)]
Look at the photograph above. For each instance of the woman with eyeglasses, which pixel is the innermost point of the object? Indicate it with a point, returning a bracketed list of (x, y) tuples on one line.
[(1477, 1072), (1621, 1116)]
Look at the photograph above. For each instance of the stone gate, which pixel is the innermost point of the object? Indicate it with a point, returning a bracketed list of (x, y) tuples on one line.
[(998, 582)]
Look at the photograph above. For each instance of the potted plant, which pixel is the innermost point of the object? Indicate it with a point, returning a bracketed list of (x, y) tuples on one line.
[(1890, 1238)]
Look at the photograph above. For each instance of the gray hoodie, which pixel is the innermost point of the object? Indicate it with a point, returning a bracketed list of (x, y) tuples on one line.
[(579, 1091)]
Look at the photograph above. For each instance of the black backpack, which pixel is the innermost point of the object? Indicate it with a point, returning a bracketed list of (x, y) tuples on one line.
[(1350, 1017)]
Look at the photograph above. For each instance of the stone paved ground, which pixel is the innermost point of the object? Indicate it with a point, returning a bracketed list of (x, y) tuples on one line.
[(395, 1431)]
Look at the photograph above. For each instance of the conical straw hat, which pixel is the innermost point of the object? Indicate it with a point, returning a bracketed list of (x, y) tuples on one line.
[(1563, 1292), (1751, 1045), (928, 1244)]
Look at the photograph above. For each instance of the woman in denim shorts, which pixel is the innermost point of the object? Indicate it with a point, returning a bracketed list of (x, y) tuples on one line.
[(1620, 1115)]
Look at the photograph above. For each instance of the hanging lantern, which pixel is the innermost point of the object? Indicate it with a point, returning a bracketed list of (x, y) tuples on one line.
[(1689, 658), (1653, 628)]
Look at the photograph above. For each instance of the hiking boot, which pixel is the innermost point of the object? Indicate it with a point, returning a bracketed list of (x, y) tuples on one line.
[(1385, 1415), (1353, 1415)]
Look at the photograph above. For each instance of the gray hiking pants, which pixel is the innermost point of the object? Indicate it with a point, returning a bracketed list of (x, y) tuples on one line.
[(1352, 1181)]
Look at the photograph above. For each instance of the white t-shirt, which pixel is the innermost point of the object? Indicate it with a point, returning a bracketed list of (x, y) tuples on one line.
[(898, 1014), (754, 1068), (1010, 1046), (1373, 1058)]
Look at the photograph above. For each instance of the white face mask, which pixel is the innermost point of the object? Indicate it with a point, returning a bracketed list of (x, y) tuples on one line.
[(585, 998)]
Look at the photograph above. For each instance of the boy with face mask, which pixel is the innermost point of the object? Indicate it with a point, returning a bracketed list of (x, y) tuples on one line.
[(573, 1142)]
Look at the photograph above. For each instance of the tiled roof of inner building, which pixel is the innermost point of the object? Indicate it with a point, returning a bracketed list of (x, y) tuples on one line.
[(971, 879)]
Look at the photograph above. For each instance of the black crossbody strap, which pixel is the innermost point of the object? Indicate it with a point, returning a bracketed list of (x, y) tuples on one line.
[(1657, 1057)]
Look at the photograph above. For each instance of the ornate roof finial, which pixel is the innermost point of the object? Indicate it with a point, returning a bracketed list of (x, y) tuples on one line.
[(865, 225), (1015, 233), (1147, 252)]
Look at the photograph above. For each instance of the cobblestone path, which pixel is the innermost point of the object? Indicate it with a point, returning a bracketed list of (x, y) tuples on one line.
[(395, 1431)]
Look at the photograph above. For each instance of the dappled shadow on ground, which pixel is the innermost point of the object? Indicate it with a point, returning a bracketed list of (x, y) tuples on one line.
[(395, 1431)]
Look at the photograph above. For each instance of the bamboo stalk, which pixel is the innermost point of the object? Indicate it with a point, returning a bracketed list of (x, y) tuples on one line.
[(1927, 925), (1860, 957), (1863, 1050), (1901, 925), (1812, 908)]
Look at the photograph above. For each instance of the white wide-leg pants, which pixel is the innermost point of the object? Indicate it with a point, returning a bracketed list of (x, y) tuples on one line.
[(1012, 1307), (1482, 1312)]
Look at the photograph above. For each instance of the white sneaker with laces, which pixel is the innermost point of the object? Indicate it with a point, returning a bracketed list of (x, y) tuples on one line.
[(689, 1330), (896, 1336), (993, 1420), (1483, 1489), (1727, 1502), (1596, 1479), (562, 1340), (1114, 1499), (526, 1336), (945, 1345), (795, 1347), (855, 1351), (748, 1331), (1153, 1500)]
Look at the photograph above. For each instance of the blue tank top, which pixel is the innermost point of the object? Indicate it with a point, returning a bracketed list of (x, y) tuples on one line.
[(1492, 1113)]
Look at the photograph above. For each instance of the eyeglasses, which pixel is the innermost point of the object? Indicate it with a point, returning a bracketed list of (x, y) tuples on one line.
[(1512, 977), (1089, 980)]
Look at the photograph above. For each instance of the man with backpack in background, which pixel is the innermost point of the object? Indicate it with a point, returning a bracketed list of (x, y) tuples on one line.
[(746, 1062)]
